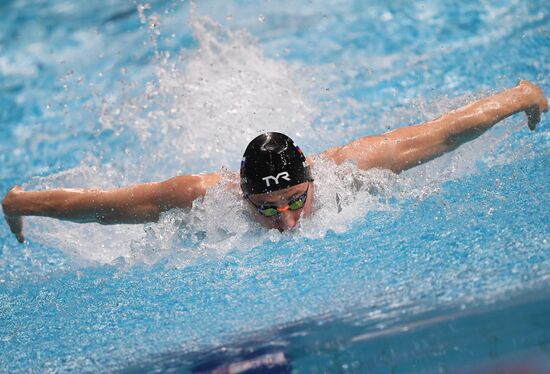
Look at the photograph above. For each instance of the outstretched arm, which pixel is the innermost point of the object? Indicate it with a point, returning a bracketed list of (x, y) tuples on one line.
[(406, 147), (135, 204)]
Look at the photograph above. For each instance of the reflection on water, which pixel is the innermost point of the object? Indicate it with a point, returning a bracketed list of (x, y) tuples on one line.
[(479, 340)]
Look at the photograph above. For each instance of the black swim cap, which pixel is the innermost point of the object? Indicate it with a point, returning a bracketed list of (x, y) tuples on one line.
[(272, 162)]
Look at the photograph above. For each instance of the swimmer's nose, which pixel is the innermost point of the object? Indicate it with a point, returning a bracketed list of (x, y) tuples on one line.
[(287, 220)]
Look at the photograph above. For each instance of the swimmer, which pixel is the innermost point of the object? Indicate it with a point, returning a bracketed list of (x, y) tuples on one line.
[(275, 175)]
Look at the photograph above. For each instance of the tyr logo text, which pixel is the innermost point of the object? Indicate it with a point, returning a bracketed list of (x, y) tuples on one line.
[(283, 175)]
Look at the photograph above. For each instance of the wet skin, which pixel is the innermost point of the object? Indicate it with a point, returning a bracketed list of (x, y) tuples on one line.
[(286, 219)]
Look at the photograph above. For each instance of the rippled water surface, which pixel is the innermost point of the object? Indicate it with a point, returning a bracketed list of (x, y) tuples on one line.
[(111, 93)]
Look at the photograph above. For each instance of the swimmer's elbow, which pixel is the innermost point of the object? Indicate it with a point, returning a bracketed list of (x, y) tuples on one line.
[(180, 192)]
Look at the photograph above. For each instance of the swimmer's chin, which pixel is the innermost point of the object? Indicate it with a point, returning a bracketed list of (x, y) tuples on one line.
[(282, 229), (287, 229)]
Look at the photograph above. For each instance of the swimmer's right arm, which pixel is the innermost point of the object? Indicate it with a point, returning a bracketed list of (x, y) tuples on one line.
[(135, 204)]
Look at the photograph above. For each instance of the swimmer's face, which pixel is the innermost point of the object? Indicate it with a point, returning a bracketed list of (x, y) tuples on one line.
[(285, 219)]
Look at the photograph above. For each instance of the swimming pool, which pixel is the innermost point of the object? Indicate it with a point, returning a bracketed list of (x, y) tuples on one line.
[(443, 268)]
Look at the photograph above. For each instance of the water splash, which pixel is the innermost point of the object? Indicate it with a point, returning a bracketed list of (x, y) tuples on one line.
[(205, 105), (199, 112)]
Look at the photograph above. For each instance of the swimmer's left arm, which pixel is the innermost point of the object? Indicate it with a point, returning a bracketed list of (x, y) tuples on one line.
[(407, 147)]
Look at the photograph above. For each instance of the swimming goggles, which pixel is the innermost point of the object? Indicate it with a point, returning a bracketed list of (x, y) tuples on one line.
[(272, 210)]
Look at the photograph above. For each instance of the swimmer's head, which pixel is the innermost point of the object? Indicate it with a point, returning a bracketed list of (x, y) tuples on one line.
[(275, 178), (272, 162)]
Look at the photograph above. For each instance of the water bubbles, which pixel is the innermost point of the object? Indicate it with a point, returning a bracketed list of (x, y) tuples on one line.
[(141, 11), (386, 16), (154, 22)]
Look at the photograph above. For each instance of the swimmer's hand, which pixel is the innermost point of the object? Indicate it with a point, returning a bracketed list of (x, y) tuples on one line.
[(535, 102), (15, 222)]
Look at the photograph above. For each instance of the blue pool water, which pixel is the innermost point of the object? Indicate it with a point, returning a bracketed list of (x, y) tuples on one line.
[(444, 268)]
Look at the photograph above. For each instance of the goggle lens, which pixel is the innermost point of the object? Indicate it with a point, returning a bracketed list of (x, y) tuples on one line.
[(268, 212), (296, 204)]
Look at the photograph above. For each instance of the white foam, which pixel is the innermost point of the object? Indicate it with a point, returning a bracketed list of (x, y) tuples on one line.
[(197, 115)]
